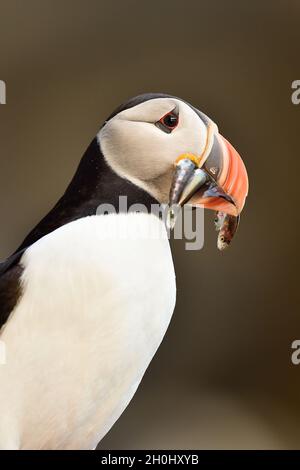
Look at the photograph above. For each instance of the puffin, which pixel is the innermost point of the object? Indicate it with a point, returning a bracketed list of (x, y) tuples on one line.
[(86, 299)]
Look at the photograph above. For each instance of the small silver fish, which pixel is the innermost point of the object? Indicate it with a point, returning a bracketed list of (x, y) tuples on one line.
[(184, 171), (227, 226)]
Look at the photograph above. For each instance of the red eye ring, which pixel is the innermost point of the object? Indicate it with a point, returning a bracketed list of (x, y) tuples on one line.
[(169, 120)]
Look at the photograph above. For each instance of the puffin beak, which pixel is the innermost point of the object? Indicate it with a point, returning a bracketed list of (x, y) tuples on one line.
[(217, 180), (226, 167)]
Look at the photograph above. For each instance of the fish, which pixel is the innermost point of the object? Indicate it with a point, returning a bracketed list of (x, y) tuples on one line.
[(184, 171), (219, 219), (227, 226)]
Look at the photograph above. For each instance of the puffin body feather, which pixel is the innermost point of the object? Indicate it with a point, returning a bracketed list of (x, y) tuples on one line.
[(97, 300)]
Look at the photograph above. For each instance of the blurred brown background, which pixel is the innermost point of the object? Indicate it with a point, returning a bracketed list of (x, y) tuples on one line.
[(223, 377)]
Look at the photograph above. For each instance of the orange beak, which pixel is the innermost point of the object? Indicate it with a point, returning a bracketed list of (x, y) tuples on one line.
[(216, 180), (227, 169)]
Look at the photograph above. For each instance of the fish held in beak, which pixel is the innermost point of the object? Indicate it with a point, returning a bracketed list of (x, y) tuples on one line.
[(227, 226), (187, 180), (183, 174)]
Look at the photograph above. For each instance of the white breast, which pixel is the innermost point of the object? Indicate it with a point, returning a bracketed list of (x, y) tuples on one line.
[(99, 294)]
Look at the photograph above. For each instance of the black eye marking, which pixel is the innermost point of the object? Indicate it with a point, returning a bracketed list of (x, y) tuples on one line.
[(168, 122)]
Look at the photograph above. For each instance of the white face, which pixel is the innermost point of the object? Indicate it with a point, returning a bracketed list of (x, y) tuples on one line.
[(142, 150)]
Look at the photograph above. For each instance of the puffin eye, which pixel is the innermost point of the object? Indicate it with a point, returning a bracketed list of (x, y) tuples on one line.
[(168, 122)]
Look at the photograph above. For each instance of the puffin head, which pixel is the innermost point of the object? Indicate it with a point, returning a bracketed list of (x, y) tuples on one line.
[(155, 148), (174, 152)]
